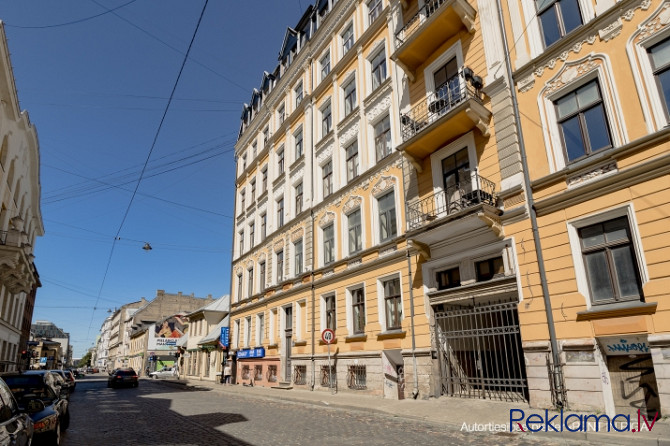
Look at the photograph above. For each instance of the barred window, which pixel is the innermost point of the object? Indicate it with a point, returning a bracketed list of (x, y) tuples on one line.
[(357, 377), (328, 376), (258, 372)]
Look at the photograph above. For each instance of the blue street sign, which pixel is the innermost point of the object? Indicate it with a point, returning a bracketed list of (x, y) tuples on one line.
[(224, 336)]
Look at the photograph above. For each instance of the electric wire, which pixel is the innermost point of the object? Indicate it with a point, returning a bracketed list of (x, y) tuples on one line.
[(74, 22), (139, 180)]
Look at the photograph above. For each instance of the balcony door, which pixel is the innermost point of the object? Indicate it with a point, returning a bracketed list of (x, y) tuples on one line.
[(447, 87), (456, 180)]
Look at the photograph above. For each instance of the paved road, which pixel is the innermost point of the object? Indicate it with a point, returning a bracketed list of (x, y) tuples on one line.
[(157, 414)]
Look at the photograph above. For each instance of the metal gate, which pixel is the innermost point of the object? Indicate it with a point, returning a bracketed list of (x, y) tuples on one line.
[(480, 351)]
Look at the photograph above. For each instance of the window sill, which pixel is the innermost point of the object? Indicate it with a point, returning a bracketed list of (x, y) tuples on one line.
[(273, 346), (356, 338), (606, 311), (299, 343), (333, 342), (391, 334)]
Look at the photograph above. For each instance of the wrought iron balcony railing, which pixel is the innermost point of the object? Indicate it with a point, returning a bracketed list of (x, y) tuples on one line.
[(417, 20), (474, 191), (456, 90)]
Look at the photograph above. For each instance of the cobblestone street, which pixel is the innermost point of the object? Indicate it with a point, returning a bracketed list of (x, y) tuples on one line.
[(155, 414)]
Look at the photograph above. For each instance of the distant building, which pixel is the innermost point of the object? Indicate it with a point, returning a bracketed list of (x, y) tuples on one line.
[(20, 216), (50, 346)]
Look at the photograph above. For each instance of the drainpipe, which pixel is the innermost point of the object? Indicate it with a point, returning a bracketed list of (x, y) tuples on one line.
[(311, 221), (557, 376), (415, 392)]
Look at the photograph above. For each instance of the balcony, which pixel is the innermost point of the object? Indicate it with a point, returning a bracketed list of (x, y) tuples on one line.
[(452, 110), (474, 191), (17, 272), (428, 29)]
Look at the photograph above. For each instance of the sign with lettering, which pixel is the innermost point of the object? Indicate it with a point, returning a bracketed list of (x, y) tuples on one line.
[(251, 353), (223, 340), (625, 345)]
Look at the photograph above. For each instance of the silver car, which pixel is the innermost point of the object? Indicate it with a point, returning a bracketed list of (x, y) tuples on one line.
[(165, 372)]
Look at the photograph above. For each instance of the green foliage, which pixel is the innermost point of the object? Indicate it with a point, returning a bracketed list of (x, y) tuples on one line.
[(83, 362)]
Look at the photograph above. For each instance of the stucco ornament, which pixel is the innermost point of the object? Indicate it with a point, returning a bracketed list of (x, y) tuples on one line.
[(352, 203), (383, 185), (326, 219), (297, 234)]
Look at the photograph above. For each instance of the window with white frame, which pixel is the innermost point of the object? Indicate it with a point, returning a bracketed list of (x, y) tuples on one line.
[(297, 137), (239, 287), (378, 69), (261, 276), (264, 179), (387, 216), (253, 190), (280, 212), (327, 178), (254, 150), (391, 296), (325, 65), (659, 57), (298, 257), (328, 244), (279, 256), (374, 10), (281, 113), (347, 37), (260, 328), (241, 239), (266, 135), (247, 331), (252, 235), (355, 231), (383, 146), (298, 198), (236, 333), (243, 200), (352, 160), (280, 161), (298, 94), (244, 162), (264, 225), (558, 18), (272, 326), (250, 282), (357, 310), (326, 120), (582, 121), (349, 97), (329, 312)]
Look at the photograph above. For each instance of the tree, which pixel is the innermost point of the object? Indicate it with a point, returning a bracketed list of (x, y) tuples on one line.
[(86, 360)]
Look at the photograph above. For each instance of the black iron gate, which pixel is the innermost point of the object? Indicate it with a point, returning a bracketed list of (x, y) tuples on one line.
[(480, 351)]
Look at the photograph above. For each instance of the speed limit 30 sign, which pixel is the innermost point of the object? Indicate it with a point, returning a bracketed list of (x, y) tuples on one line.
[(327, 336)]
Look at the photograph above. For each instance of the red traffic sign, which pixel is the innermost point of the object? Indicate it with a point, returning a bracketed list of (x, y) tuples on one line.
[(328, 336)]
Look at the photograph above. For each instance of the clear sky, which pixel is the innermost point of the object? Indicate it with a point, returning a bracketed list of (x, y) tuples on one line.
[(95, 77)]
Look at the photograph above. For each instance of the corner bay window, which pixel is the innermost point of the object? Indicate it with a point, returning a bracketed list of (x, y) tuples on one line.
[(610, 262), (582, 121), (558, 18)]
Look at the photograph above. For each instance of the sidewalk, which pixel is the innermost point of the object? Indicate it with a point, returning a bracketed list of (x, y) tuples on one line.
[(454, 413)]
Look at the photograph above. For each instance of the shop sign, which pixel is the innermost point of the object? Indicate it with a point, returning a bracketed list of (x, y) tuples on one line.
[(251, 353)]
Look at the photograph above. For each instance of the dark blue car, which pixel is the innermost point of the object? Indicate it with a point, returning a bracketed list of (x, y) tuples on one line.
[(47, 408)]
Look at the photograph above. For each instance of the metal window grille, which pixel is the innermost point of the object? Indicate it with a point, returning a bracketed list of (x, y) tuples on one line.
[(328, 376), (272, 373), (258, 372), (245, 372), (300, 375), (357, 379)]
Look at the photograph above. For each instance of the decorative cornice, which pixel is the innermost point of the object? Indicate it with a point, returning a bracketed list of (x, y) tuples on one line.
[(352, 203), (384, 184), (327, 218)]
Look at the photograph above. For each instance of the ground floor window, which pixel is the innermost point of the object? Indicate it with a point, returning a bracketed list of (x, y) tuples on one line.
[(258, 372), (272, 373), (245, 371), (328, 377), (357, 377), (300, 375)]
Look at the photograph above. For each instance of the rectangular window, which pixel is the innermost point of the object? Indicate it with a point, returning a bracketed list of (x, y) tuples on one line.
[(280, 266), (374, 10), (355, 239), (282, 114), (449, 278), (383, 138), (250, 282), (266, 136), (610, 262), (329, 244), (243, 201), (252, 235), (254, 150), (264, 226), (352, 161), (241, 238), (558, 18), (280, 161), (331, 321), (393, 304), (358, 310), (298, 95), (583, 122), (659, 55), (260, 329), (244, 162), (326, 120), (348, 39), (378, 69), (298, 145), (247, 332), (349, 97), (261, 276), (325, 65), (253, 191), (298, 257), (387, 219), (327, 178), (489, 268), (239, 287), (264, 182), (280, 213), (298, 198)]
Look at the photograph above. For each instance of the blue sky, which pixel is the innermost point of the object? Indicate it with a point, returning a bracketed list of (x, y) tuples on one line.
[(96, 84)]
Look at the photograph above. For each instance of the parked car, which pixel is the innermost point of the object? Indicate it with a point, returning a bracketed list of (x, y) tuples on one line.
[(77, 373), (36, 395), (16, 429), (123, 377), (165, 372), (68, 378), (51, 379)]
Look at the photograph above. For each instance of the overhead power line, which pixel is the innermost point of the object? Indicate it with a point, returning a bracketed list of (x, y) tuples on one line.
[(85, 19)]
